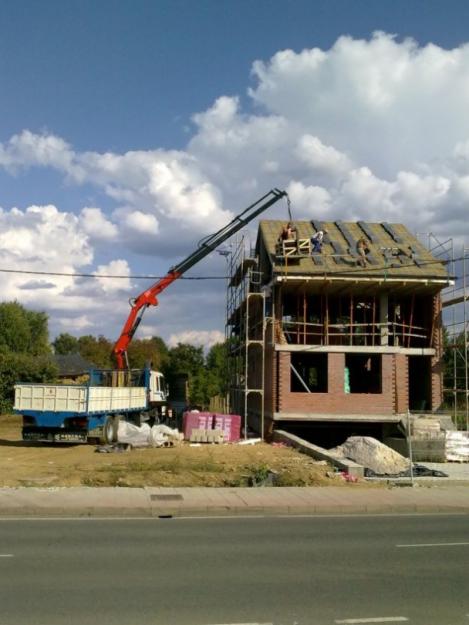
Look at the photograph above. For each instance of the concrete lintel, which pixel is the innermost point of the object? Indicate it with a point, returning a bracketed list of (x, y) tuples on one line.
[(319, 453), (357, 349), (339, 418), (443, 282)]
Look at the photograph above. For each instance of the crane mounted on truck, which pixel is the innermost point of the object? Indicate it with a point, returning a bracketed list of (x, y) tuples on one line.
[(70, 413), (206, 245)]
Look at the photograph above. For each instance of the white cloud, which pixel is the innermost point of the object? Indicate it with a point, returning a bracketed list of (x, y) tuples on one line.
[(114, 268), (96, 224), (391, 104), (204, 338), (141, 222), (167, 186)]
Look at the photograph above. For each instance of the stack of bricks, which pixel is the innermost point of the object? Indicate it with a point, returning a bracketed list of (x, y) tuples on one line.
[(202, 435)]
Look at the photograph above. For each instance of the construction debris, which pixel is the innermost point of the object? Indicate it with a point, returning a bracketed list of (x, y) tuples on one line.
[(372, 454)]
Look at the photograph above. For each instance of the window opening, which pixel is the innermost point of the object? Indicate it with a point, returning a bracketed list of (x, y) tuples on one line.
[(362, 373), (308, 373)]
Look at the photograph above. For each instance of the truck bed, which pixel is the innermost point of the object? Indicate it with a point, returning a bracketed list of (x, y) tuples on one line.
[(79, 399)]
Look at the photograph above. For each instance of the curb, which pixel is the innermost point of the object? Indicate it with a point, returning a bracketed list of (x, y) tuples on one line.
[(154, 503)]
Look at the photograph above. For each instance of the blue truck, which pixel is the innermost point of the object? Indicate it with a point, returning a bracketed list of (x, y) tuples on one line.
[(71, 413)]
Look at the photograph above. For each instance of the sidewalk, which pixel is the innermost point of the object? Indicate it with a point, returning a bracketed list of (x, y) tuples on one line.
[(184, 502)]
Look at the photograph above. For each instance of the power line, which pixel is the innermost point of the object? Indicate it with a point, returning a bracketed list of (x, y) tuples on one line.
[(97, 275), (384, 268)]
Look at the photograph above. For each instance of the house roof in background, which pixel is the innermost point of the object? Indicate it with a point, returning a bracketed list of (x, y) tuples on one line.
[(72, 364)]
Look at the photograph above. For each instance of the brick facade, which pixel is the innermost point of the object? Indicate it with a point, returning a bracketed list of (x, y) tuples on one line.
[(400, 382), (336, 401)]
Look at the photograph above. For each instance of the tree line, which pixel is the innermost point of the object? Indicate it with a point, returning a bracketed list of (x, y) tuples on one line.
[(26, 355)]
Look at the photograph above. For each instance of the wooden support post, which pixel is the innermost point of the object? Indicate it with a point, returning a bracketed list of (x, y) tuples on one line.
[(434, 315), (326, 337), (373, 320), (304, 316), (297, 323), (351, 319), (411, 320), (384, 318)]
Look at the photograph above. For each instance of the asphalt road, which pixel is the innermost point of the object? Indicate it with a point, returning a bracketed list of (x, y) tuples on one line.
[(303, 571)]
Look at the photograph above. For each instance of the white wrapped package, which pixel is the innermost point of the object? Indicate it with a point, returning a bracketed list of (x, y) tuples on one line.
[(134, 435), (144, 436)]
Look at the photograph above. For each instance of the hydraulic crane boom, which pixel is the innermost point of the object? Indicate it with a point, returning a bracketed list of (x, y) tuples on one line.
[(206, 245)]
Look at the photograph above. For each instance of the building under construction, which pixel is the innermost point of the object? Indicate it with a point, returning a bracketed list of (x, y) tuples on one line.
[(317, 338)]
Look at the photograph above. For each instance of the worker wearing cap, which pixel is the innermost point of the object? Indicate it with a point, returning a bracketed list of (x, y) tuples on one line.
[(317, 240)]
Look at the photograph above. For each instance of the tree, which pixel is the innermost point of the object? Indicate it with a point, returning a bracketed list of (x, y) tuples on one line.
[(24, 350), (144, 351), (23, 330), (188, 359), (96, 350), (216, 366), (65, 344), (22, 368)]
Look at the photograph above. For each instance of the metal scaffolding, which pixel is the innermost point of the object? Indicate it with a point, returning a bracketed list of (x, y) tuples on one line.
[(245, 335), (455, 302)]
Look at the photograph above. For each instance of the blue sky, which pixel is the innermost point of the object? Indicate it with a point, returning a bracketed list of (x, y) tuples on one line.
[(84, 79)]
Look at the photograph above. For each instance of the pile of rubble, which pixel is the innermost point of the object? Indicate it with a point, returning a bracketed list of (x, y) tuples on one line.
[(370, 453)]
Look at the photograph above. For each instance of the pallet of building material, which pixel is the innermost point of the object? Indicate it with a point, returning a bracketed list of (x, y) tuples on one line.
[(202, 435), (457, 446), (230, 424)]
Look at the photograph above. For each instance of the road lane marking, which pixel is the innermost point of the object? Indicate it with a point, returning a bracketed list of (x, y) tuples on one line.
[(6, 555), (376, 619), (435, 545), (126, 519)]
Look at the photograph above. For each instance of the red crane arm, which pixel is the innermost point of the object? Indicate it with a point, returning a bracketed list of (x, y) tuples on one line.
[(138, 306), (207, 245)]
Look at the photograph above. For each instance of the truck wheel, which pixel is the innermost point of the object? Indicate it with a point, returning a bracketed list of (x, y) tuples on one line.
[(109, 434)]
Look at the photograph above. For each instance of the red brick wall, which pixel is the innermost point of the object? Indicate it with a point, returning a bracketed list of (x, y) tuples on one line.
[(335, 401), (400, 376), (270, 373)]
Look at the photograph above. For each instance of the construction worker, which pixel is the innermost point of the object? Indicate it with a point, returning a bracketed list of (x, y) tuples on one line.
[(316, 241), (362, 251), (288, 232)]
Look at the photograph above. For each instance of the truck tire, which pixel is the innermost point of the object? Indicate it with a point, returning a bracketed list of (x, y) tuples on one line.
[(109, 434)]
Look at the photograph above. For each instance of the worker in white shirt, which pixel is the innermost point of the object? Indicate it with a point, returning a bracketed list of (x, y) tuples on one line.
[(317, 240)]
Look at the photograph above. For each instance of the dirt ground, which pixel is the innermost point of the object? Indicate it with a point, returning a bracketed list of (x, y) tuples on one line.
[(38, 464)]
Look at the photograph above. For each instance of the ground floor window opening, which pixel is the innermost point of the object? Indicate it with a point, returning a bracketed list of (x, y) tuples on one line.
[(308, 373), (362, 373), (420, 388)]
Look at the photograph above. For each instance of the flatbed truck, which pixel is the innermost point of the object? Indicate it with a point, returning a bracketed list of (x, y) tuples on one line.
[(70, 413)]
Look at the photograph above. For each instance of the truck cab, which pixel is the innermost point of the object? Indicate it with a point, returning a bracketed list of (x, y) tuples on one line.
[(158, 391)]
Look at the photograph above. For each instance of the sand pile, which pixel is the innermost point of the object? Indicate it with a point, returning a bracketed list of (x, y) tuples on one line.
[(372, 454)]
